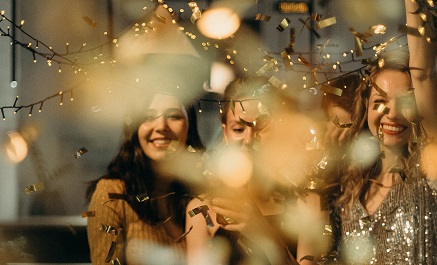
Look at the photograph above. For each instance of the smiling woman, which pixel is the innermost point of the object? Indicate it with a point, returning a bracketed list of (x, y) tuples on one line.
[(134, 205)]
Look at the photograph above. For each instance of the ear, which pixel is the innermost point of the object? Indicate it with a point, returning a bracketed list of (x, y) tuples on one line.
[(225, 137)]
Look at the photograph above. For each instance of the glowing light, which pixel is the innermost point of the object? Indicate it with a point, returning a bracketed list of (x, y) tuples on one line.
[(235, 168), (221, 75), (16, 147), (219, 23)]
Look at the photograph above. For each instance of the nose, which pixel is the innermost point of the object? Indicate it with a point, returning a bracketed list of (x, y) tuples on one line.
[(248, 137), (161, 124), (395, 110)]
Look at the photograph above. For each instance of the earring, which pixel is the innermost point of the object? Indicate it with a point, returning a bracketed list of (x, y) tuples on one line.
[(380, 134)]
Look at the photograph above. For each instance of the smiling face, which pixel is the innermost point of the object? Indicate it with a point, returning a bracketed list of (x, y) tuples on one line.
[(165, 122), (392, 91)]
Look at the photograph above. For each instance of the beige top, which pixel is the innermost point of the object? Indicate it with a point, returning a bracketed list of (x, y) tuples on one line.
[(116, 224)]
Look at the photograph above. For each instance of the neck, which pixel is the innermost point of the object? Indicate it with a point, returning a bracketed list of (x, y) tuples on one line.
[(392, 157)]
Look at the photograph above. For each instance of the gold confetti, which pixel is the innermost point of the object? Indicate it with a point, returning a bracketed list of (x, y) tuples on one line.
[(198, 210), (224, 220), (316, 17), (283, 25), (142, 197), (277, 83), (337, 123), (89, 21), (109, 229), (80, 152), (358, 46), (88, 214), (409, 30), (204, 211), (34, 187), (332, 90), (191, 149), (326, 23), (290, 48), (262, 17), (381, 108)]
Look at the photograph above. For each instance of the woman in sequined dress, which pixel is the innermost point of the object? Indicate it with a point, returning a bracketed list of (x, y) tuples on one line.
[(138, 211), (388, 207)]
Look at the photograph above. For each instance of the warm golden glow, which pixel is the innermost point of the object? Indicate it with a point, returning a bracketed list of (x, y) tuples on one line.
[(219, 23), (235, 167), (16, 147)]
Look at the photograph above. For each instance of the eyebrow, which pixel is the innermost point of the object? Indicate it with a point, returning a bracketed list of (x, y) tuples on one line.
[(378, 89)]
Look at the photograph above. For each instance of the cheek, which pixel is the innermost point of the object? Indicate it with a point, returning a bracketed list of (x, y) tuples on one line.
[(373, 121), (180, 129), (144, 130)]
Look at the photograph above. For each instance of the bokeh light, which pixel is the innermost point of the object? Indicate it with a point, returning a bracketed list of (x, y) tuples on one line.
[(16, 147), (219, 23)]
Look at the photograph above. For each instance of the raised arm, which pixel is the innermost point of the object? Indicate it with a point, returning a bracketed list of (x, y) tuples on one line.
[(422, 63)]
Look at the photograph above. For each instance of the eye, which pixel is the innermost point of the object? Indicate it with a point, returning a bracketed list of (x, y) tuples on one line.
[(150, 115), (238, 129), (175, 115)]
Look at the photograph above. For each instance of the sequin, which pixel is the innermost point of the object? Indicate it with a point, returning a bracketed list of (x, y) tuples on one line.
[(401, 231)]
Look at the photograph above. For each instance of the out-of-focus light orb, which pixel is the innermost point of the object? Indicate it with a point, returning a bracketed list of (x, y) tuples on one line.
[(16, 147), (365, 150), (235, 167), (219, 23), (221, 75)]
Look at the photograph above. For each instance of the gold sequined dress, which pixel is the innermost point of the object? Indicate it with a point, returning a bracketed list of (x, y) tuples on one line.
[(402, 231)]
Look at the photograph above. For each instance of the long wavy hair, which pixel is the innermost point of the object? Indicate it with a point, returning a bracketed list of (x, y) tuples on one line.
[(355, 175), (137, 172)]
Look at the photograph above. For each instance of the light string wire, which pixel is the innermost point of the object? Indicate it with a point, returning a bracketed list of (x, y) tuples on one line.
[(310, 69)]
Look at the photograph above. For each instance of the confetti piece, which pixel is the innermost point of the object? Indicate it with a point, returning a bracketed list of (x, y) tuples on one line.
[(305, 25), (204, 211), (381, 108), (337, 123), (34, 187), (290, 48), (262, 17), (89, 21), (80, 152), (109, 229), (378, 89), (332, 90), (142, 197), (224, 220), (88, 214), (283, 25), (325, 23), (409, 30)]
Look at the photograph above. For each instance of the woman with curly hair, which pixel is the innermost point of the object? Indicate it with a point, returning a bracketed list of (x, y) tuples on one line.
[(386, 211)]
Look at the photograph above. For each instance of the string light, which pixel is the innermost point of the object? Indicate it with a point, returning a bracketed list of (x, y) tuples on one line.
[(62, 98), (3, 114), (31, 109), (40, 106), (15, 102)]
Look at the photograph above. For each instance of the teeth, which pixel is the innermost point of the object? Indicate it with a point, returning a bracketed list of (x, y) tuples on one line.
[(161, 141), (393, 128)]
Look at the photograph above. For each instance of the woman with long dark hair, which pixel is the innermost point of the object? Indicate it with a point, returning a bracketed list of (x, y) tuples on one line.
[(137, 210)]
